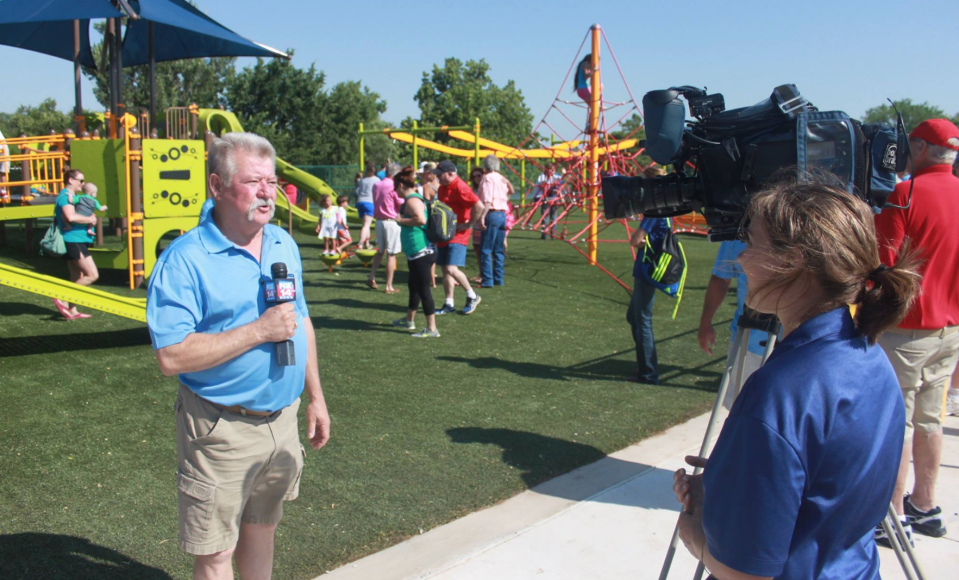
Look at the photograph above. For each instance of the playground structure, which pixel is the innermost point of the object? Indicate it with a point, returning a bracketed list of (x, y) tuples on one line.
[(581, 155), (154, 189)]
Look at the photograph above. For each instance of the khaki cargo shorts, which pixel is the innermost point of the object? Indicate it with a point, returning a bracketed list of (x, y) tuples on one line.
[(232, 469), (923, 361)]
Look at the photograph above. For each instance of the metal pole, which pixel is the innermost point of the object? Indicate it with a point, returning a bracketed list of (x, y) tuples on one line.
[(208, 137), (476, 145), (135, 223), (153, 79), (522, 182), (110, 46), (362, 138), (78, 93), (27, 175), (594, 106), (118, 40), (415, 149)]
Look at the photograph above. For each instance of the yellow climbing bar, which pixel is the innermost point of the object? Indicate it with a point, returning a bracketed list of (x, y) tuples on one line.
[(29, 281)]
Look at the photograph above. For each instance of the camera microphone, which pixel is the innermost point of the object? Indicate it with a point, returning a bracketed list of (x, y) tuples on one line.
[(279, 290)]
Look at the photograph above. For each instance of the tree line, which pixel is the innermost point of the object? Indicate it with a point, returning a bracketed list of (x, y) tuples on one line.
[(308, 121), (311, 123)]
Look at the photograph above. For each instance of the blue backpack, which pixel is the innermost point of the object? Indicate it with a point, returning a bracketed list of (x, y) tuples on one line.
[(664, 266)]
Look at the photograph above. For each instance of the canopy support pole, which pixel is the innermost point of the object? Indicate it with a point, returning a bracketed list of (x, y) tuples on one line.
[(153, 80), (78, 107)]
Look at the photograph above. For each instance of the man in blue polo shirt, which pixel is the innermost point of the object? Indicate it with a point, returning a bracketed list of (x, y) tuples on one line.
[(238, 450)]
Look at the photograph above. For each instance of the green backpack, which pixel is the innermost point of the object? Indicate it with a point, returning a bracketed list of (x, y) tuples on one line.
[(52, 243), (440, 222)]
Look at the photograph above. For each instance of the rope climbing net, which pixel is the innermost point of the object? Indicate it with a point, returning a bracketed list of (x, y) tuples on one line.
[(557, 203)]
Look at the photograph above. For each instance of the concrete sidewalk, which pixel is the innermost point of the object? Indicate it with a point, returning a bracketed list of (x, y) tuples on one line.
[(611, 519)]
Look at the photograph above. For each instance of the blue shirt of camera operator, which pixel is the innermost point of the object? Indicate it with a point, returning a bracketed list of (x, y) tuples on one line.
[(656, 230), (204, 283)]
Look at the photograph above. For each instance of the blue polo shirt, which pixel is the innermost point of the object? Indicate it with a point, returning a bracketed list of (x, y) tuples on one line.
[(204, 283), (727, 267), (656, 230), (804, 468)]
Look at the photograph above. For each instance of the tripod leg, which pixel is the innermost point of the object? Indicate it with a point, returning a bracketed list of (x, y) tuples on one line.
[(896, 544), (893, 520), (741, 341)]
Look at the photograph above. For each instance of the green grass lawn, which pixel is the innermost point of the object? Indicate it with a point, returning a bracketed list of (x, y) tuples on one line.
[(424, 431)]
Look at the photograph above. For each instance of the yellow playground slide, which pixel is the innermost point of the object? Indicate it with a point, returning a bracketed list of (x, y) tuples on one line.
[(132, 308), (219, 122)]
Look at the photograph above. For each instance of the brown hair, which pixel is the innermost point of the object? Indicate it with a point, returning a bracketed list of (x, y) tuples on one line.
[(370, 169), (825, 232), (71, 173), (341, 199), (406, 177)]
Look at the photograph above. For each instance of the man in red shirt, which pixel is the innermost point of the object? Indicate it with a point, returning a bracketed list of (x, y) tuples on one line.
[(452, 255), (924, 348)]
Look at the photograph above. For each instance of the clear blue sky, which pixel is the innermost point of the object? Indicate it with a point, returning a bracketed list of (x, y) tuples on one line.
[(842, 54)]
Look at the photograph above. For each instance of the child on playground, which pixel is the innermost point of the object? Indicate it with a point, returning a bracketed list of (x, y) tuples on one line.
[(327, 227), (86, 203), (342, 229)]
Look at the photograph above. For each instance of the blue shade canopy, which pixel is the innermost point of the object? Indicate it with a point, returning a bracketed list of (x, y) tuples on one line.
[(46, 26), (181, 31)]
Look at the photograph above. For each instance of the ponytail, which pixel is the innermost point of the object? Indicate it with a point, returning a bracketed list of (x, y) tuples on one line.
[(888, 294)]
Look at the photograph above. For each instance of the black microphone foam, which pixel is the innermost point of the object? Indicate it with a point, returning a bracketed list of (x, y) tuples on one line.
[(278, 270)]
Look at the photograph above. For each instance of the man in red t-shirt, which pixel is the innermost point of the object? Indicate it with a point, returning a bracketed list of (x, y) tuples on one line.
[(924, 348), (452, 255)]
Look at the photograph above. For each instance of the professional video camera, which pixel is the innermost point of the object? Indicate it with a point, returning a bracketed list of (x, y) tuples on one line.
[(722, 157)]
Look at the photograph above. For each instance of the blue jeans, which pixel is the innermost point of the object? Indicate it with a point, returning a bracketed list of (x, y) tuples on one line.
[(640, 318), (492, 252)]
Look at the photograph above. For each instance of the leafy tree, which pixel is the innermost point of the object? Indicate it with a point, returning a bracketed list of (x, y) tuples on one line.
[(634, 126), (349, 104), (178, 83), (307, 125), (912, 113), (39, 120), (458, 93)]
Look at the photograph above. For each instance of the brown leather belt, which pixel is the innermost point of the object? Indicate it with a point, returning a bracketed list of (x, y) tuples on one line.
[(240, 410)]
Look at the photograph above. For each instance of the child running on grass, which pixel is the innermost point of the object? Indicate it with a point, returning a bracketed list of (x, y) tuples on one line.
[(343, 237), (328, 225)]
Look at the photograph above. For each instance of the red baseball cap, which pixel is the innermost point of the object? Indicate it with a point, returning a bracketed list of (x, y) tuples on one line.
[(937, 132)]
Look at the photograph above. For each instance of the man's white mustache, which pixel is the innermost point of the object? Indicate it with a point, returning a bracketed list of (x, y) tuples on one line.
[(258, 203)]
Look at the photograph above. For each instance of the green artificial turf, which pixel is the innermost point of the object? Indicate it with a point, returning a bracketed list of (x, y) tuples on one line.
[(424, 431)]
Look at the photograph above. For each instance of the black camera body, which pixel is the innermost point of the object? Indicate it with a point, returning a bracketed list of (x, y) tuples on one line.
[(722, 157)]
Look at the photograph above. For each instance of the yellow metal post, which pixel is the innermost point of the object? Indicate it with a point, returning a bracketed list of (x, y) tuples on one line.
[(362, 138), (522, 182), (416, 163), (592, 200), (477, 144)]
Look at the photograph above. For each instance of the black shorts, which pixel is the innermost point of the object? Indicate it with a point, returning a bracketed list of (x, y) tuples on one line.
[(76, 250)]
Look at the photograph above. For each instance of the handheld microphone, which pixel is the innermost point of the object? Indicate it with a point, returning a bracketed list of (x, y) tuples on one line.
[(279, 290)]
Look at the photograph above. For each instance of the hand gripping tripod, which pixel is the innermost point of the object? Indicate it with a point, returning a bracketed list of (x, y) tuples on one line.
[(751, 320)]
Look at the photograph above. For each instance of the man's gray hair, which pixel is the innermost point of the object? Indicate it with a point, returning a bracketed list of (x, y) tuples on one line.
[(939, 154), (222, 151), (491, 163), (392, 169)]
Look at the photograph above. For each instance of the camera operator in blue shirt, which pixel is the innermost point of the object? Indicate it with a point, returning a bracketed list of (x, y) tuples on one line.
[(806, 463), (238, 450)]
